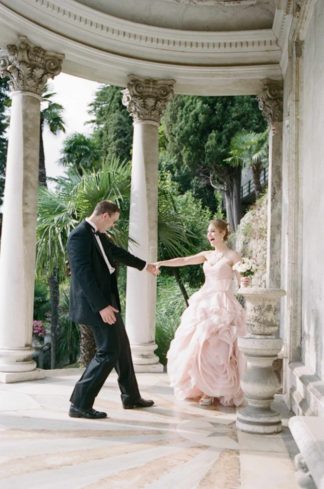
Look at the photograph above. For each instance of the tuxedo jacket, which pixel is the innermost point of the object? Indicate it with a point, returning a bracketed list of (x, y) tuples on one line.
[(92, 285)]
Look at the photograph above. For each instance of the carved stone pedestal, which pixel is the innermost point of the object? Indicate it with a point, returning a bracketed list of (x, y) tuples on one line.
[(260, 348), (259, 385)]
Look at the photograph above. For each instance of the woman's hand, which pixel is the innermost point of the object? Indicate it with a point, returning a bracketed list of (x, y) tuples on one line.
[(157, 265)]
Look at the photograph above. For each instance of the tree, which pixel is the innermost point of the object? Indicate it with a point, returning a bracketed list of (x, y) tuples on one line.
[(250, 149), (74, 198), (182, 222), (80, 153), (50, 116), (4, 103), (198, 133), (113, 131)]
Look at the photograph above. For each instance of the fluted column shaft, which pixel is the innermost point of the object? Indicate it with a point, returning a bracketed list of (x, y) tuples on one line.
[(28, 68), (145, 100), (271, 104)]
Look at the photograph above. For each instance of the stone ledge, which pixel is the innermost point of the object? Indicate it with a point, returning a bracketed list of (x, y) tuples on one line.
[(10, 377), (307, 392), (308, 432)]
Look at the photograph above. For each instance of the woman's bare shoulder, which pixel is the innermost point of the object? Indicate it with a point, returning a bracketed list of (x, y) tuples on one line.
[(206, 253), (233, 256)]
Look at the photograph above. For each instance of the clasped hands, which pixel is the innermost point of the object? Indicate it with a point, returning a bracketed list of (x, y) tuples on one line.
[(153, 269)]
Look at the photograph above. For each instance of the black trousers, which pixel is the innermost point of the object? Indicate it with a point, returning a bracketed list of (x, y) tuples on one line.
[(113, 351)]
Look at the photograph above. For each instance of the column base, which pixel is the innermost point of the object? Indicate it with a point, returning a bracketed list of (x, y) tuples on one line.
[(144, 358), (258, 420), (149, 369), (11, 377), (18, 365)]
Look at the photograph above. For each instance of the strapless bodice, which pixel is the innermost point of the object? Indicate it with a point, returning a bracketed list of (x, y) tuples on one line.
[(218, 274)]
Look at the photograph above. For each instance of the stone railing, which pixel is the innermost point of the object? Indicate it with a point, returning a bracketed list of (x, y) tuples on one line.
[(308, 433)]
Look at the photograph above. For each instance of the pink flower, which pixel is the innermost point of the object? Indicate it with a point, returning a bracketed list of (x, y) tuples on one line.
[(38, 328)]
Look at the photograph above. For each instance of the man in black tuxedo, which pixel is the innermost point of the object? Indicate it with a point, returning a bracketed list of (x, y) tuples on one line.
[(94, 301)]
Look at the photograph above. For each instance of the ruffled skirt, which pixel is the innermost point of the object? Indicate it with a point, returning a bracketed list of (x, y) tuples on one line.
[(203, 356)]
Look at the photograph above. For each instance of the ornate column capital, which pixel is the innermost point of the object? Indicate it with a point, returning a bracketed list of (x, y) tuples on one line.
[(28, 66), (271, 101), (146, 98), (298, 4)]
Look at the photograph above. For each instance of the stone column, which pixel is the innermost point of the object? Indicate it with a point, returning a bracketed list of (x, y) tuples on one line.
[(145, 100), (271, 105), (28, 68)]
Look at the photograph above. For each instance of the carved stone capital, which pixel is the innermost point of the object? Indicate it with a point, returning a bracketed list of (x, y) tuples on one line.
[(298, 4), (28, 66), (271, 101), (146, 98)]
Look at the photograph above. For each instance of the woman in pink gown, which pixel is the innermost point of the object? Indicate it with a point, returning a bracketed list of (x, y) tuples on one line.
[(204, 361)]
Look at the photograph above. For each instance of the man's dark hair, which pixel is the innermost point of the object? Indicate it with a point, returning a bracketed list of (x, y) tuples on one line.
[(106, 206)]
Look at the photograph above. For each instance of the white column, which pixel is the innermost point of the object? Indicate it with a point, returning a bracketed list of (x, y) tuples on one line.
[(271, 104), (28, 68), (145, 100)]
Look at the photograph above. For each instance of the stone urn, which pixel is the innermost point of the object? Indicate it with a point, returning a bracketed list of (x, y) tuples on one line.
[(260, 347), (262, 310)]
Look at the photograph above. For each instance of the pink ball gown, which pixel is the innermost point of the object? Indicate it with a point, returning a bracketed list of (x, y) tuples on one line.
[(203, 356)]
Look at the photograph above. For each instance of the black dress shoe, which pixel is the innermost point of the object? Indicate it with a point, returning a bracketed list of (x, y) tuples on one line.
[(91, 413), (140, 403)]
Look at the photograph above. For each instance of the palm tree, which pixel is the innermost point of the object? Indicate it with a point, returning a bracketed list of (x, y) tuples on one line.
[(80, 152), (174, 238), (59, 212), (73, 199), (250, 149), (50, 116)]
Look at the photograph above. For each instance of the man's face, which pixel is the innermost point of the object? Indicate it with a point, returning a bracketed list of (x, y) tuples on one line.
[(109, 220)]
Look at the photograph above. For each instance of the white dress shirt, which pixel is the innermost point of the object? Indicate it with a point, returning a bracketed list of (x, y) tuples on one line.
[(110, 267)]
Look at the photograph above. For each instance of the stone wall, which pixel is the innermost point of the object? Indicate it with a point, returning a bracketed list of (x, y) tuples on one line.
[(303, 209), (312, 188), (250, 239)]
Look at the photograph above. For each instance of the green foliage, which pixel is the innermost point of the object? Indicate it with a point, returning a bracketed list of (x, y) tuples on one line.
[(52, 114), (112, 124), (80, 153), (41, 301), (188, 215), (74, 198), (68, 339), (249, 148), (56, 219), (170, 306), (199, 131)]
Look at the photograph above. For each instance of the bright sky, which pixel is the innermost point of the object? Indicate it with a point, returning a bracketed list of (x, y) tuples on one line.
[(74, 94)]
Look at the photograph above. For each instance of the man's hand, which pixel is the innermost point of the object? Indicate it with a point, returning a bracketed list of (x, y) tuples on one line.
[(151, 268), (108, 314)]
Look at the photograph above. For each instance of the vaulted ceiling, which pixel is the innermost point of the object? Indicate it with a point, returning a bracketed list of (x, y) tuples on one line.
[(207, 46)]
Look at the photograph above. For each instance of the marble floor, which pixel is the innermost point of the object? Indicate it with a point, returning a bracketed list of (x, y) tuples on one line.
[(171, 445)]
